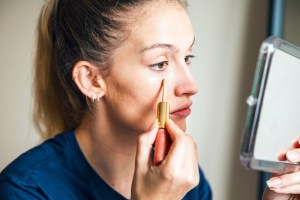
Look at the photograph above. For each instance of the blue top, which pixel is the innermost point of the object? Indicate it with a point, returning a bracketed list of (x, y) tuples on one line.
[(57, 169)]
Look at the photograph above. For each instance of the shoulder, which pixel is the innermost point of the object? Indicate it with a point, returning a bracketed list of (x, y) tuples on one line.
[(202, 191), (36, 161)]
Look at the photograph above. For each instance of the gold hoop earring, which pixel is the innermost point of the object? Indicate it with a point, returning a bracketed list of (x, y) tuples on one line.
[(92, 96)]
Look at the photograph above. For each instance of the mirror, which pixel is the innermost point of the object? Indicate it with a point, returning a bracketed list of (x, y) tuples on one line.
[(273, 118)]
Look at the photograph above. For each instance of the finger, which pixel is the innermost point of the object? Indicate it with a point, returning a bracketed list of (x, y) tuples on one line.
[(293, 189), (285, 180), (282, 155), (183, 148), (144, 146), (293, 155), (173, 129), (296, 143), (182, 156), (177, 150)]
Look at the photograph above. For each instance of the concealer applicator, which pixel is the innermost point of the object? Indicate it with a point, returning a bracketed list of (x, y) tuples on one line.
[(163, 140)]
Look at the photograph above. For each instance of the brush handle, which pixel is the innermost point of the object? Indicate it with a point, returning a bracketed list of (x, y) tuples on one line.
[(162, 146)]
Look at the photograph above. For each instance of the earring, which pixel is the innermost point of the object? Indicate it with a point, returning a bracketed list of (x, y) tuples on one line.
[(92, 96), (98, 97)]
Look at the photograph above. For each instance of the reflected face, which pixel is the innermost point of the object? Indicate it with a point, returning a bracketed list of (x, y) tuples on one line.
[(159, 47)]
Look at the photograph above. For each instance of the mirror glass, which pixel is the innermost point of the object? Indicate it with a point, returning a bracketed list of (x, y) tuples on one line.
[(279, 122), (273, 118)]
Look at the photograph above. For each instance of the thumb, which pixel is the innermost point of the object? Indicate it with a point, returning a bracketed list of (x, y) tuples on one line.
[(144, 146)]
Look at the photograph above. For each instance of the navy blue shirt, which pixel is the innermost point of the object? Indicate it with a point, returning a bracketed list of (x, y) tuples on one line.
[(57, 169)]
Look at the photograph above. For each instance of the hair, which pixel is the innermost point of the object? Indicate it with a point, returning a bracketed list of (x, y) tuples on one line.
[(69, 31)]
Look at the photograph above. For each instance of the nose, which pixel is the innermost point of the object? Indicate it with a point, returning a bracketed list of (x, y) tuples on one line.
[(186, 85)]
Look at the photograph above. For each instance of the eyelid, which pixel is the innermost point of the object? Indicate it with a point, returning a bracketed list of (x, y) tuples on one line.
[(164, 63), (189, 57)]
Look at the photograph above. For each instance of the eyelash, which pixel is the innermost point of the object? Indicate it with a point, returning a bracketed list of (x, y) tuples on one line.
[(187, 59), (161, 65)]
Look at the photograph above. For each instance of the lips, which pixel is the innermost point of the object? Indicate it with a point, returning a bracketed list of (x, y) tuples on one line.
[(182, 111)]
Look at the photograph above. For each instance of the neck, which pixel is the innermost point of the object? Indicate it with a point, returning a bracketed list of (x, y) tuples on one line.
[(110, 151)]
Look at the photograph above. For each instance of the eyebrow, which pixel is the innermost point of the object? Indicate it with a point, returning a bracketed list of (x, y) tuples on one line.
[(164, 45)]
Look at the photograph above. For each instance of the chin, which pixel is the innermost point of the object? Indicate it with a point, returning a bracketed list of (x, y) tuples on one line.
[(181, 123)]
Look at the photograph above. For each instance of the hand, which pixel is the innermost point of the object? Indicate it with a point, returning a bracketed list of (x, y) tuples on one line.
[(286, 186), (175, 176)]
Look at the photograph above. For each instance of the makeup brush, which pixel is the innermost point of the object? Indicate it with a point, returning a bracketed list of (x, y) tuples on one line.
[(163, 140)]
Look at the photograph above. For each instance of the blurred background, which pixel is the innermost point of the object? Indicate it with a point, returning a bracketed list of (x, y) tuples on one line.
[(228, 36)]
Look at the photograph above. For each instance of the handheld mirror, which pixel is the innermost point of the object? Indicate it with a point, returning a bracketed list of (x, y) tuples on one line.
[(273, 117)]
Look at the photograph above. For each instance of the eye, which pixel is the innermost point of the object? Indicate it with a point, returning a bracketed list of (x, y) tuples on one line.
[(187, 59), (159, 66)]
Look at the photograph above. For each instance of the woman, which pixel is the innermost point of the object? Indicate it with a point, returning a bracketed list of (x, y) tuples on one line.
[(99, 68)]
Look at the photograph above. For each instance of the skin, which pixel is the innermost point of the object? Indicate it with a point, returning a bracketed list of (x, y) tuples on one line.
[(118, 124)]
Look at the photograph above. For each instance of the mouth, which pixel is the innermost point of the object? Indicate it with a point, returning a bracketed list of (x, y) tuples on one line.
[(182, 111)]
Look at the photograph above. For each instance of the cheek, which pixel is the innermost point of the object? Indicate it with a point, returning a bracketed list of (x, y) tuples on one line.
[(154, 81), (134, 100), (144, 106)]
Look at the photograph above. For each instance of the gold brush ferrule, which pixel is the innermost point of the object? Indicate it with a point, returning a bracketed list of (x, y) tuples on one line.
[(163, 110)]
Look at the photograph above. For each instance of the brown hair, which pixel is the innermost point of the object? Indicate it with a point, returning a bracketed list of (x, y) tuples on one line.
[(70, 31)]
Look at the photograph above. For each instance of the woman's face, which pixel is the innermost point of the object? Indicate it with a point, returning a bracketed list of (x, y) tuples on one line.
[(159, 47)]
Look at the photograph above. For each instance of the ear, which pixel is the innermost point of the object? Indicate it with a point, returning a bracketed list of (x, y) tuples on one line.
[(89, 80)]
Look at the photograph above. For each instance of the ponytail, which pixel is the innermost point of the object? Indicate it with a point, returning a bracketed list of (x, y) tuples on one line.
[(55, 108)]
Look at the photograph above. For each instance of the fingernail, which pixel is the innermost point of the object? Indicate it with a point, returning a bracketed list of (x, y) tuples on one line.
[(274, 182), (292, 156), (153, 125)]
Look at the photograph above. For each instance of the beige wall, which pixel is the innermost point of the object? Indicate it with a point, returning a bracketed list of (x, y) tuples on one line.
[(17, 22), (292, 22), (228, 35)]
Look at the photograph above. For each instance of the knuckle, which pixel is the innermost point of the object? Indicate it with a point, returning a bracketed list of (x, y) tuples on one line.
[(168, 175), (192, 180), (180, 137), (186, 180), (197, 180), (142, 139), (173, 175)]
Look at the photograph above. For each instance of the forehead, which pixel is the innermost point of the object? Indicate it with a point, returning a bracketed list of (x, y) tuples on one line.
[(162, 23)]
